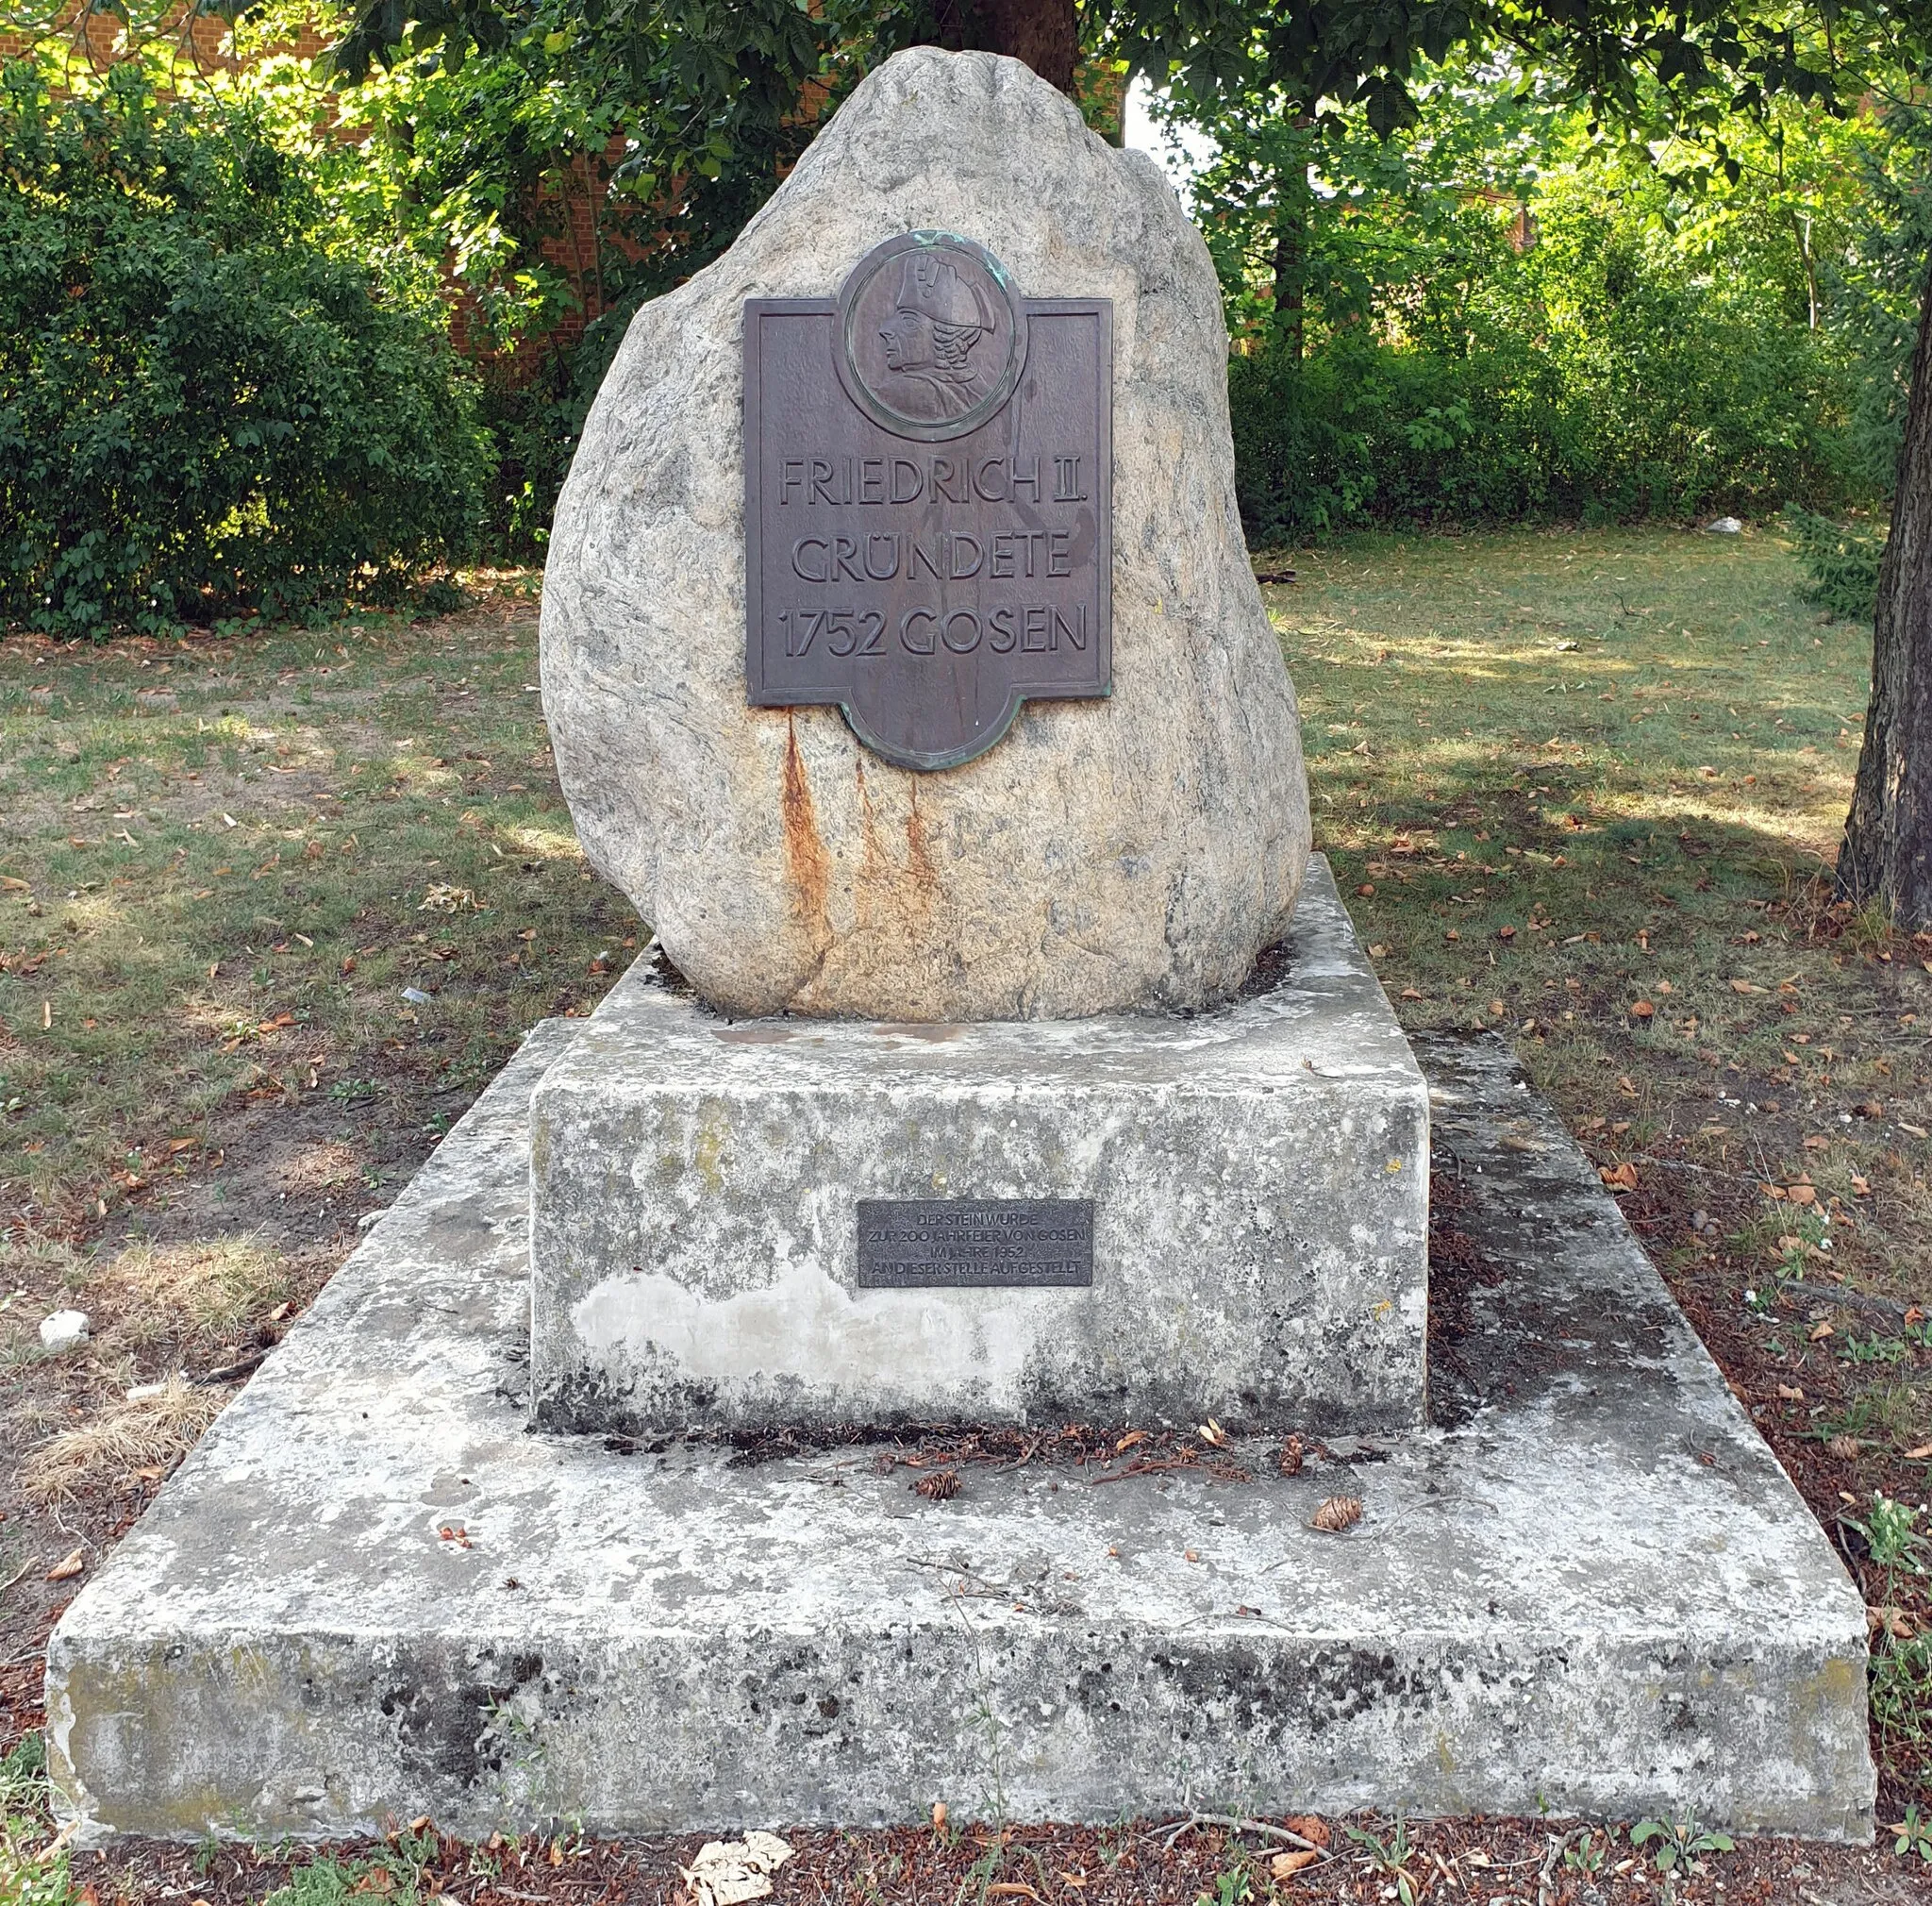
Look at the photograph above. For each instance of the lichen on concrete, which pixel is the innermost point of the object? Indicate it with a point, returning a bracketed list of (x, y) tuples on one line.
[(1259, 1176), (1595, 1592)]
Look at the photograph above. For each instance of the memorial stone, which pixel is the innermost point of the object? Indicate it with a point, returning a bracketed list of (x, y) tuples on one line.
[(901, 653), (995, 755)]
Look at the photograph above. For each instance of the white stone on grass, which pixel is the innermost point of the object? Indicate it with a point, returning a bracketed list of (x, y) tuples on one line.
[(63, 1330), (1106, 855)]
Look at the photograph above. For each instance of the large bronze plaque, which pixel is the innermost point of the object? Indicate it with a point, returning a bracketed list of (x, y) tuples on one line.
[(928, 463), (948, 1244)]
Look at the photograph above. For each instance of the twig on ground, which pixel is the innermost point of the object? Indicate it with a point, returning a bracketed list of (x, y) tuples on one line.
[(1855, 1300), (1236, 1823), (1702, 1170)]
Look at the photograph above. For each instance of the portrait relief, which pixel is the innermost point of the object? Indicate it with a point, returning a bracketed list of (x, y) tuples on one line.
[(931, 336)]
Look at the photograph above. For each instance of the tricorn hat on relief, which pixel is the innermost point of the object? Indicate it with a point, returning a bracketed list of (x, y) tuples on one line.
[(933, 287)]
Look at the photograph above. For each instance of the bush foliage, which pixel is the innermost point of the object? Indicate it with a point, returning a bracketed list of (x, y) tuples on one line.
[(207, 406), (1841, 561), (1599, 375)]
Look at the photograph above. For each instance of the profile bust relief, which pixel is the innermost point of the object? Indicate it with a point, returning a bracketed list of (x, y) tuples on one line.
[(936, 320), (931, 336)]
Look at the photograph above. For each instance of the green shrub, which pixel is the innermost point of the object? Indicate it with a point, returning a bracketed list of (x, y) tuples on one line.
[(1636, 421), (534, 422), (207, 406), (1603, 374), (1842, 560)]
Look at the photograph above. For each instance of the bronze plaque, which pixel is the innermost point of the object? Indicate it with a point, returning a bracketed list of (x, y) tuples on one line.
[(947, 1244), (928, 463)]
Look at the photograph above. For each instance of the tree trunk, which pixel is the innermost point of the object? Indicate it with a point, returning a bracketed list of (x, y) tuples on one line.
[(1886, 854), (1042, 33)]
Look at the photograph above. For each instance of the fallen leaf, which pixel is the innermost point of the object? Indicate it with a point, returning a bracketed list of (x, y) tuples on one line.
[(1367, 890), (1378, 952), (1286, 1865), (1211, 1432), (1920, 1454), (1744, 986), (728, 1872), (1916, 1130), (1309, 1826), (1643, 1008), (1860, 1187), (1128, 1441), (68, 1566), (1802, 1193), (1621, 1178), (1820, 1331), (378, 1879), (1846, 1448), (1505, 932), (939, 1817), (1789, 1392), (1336, 1514)]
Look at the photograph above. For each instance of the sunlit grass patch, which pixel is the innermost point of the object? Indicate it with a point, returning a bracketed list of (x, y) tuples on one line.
[(1593, 779), (215, 854)]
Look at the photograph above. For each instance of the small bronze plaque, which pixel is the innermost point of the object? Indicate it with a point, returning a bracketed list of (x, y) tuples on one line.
[(951, 1243), (928, 464)]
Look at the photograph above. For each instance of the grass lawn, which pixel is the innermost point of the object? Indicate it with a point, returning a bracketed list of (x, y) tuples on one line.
[(272, 908)]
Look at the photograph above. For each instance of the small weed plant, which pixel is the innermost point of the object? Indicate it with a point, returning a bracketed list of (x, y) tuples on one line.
[(1678, 1843), (1232, 1887), (1892, 1534), (1390, 1858), (28, 1876)]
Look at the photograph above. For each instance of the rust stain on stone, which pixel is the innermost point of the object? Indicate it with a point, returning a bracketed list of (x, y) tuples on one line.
[(806, 861), (926, 877)]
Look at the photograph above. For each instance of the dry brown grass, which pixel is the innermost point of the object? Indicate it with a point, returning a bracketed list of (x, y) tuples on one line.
[(191, 1297), (144, 1433)]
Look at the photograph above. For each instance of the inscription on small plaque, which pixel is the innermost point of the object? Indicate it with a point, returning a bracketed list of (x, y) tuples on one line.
[(928, 466), (950, 1243)]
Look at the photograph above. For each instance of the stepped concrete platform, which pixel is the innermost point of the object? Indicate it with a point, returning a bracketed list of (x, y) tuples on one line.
[(1252, 1183), (374, 1592)]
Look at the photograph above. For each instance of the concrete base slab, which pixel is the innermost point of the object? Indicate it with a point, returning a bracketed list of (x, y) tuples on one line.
[(372, 1591), (1257, 1178)]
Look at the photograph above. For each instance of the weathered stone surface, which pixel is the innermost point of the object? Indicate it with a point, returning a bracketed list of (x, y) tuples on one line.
[(1259, 1174), (1595, 1591), (1106, 855)]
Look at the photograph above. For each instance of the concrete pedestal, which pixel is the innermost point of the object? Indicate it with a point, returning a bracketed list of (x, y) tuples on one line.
[(1259, 1179), (372, 1593)]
